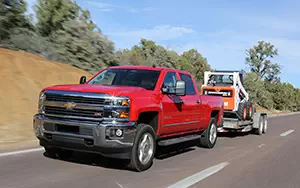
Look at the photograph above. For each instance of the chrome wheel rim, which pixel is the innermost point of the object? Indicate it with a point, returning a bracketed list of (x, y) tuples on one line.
[(146, 147), (213, 133)]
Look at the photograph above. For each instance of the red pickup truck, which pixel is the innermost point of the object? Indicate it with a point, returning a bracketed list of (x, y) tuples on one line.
[(125, 112)]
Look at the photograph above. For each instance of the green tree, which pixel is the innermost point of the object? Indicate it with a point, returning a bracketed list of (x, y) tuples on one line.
[(12, 15), (153, 54), (82, 48), (193, 62), (258, 59), (30, 41), (128, 57), (257, 92), (51, 15)]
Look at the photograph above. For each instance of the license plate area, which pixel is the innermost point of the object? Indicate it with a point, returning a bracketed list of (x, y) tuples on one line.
[(67, 128)]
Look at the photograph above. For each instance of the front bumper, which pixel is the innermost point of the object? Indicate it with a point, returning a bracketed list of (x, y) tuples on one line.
[(92, 137)]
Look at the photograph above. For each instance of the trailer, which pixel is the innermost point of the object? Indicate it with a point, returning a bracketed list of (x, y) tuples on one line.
[(239, 113), (258, 124)]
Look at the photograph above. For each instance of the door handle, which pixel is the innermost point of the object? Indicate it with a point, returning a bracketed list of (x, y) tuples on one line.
[(198, 101)]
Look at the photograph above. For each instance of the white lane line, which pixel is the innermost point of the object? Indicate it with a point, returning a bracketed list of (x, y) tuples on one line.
[(119, 185), (191, 180), (287, 132), (20, 152)]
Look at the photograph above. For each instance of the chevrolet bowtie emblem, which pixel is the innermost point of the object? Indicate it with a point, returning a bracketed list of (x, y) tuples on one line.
[(69, 105)]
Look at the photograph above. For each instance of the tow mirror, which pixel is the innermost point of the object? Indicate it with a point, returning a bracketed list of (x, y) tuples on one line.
[(180, 88), (82, 80)]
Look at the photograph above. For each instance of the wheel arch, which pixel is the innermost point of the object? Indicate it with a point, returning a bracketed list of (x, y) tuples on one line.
[(151, 118)]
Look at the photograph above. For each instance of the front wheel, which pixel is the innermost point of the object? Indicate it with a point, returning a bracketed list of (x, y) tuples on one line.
[(144, 148), (209, 137)]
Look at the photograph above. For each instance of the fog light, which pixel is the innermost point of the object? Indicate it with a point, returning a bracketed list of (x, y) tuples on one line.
[(119, 133), (124, 115)]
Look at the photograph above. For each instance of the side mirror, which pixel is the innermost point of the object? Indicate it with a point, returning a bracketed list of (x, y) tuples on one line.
[(180, 88), (82, 80)]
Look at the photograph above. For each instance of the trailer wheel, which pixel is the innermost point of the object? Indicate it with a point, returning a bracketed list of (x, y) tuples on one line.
[(265, 129), (144, 147), (209, 138), (259, 130)]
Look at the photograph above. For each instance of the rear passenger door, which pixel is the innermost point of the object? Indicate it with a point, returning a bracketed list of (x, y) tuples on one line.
[(191, 103)]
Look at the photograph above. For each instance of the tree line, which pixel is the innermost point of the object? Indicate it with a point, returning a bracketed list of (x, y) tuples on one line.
[(64, 32)]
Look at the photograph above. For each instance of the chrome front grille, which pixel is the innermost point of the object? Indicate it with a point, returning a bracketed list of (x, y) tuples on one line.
[(60, 111), (76, 99), (75, 105)]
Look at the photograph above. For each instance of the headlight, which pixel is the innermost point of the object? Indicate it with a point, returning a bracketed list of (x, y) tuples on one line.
[(42, 98), (117, 107), (120, 102), (119, 114)]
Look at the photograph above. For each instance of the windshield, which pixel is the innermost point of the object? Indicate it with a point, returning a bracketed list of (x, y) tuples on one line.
[(127, 77), (215, 79)]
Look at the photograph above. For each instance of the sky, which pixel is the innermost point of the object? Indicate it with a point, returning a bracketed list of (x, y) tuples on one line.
[(221, 30)]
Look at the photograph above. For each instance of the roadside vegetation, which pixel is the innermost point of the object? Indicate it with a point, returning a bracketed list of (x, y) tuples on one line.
[(64, 32)]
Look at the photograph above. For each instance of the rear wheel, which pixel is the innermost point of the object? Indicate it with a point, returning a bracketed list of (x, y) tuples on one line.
[(209, 138), (144, 148)]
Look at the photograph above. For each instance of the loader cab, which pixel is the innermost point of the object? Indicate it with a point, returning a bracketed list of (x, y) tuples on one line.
[(226, 84), (223, 78)]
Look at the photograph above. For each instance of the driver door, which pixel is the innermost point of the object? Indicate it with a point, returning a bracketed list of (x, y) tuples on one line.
[(172, 107)]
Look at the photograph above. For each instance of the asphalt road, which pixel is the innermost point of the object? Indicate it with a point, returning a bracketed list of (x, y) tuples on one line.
[(270, 160)]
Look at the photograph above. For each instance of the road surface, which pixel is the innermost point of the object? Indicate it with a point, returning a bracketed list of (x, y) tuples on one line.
[(270, 160)]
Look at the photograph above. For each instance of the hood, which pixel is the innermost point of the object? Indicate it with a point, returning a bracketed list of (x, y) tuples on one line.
[(93, 88)]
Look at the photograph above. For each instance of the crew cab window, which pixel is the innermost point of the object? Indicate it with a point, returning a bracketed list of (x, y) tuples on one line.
[(170, 80), (190, 89), (127, 77)]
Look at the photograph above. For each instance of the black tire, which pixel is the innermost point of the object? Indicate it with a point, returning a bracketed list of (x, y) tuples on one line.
[(64, 154), (259, 130), (249, 110), (205, 141), (242, 111), (58, 153), (51, 152), (135, 163)]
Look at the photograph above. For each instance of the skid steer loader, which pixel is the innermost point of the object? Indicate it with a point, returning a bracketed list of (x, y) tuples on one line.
[(239, 113)]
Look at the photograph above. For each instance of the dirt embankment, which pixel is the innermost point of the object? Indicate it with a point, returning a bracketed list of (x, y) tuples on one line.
[(22, 76)]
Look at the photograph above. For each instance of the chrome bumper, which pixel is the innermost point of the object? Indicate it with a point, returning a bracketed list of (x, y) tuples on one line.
[(90, 136)]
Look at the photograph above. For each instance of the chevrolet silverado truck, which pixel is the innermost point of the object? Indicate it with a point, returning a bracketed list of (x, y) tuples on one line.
[(125, 112)]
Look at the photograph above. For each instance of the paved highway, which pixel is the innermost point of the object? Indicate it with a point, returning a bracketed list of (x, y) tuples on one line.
[(270, 160)]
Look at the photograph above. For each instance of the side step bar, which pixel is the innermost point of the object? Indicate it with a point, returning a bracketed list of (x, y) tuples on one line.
[(178, 140)]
